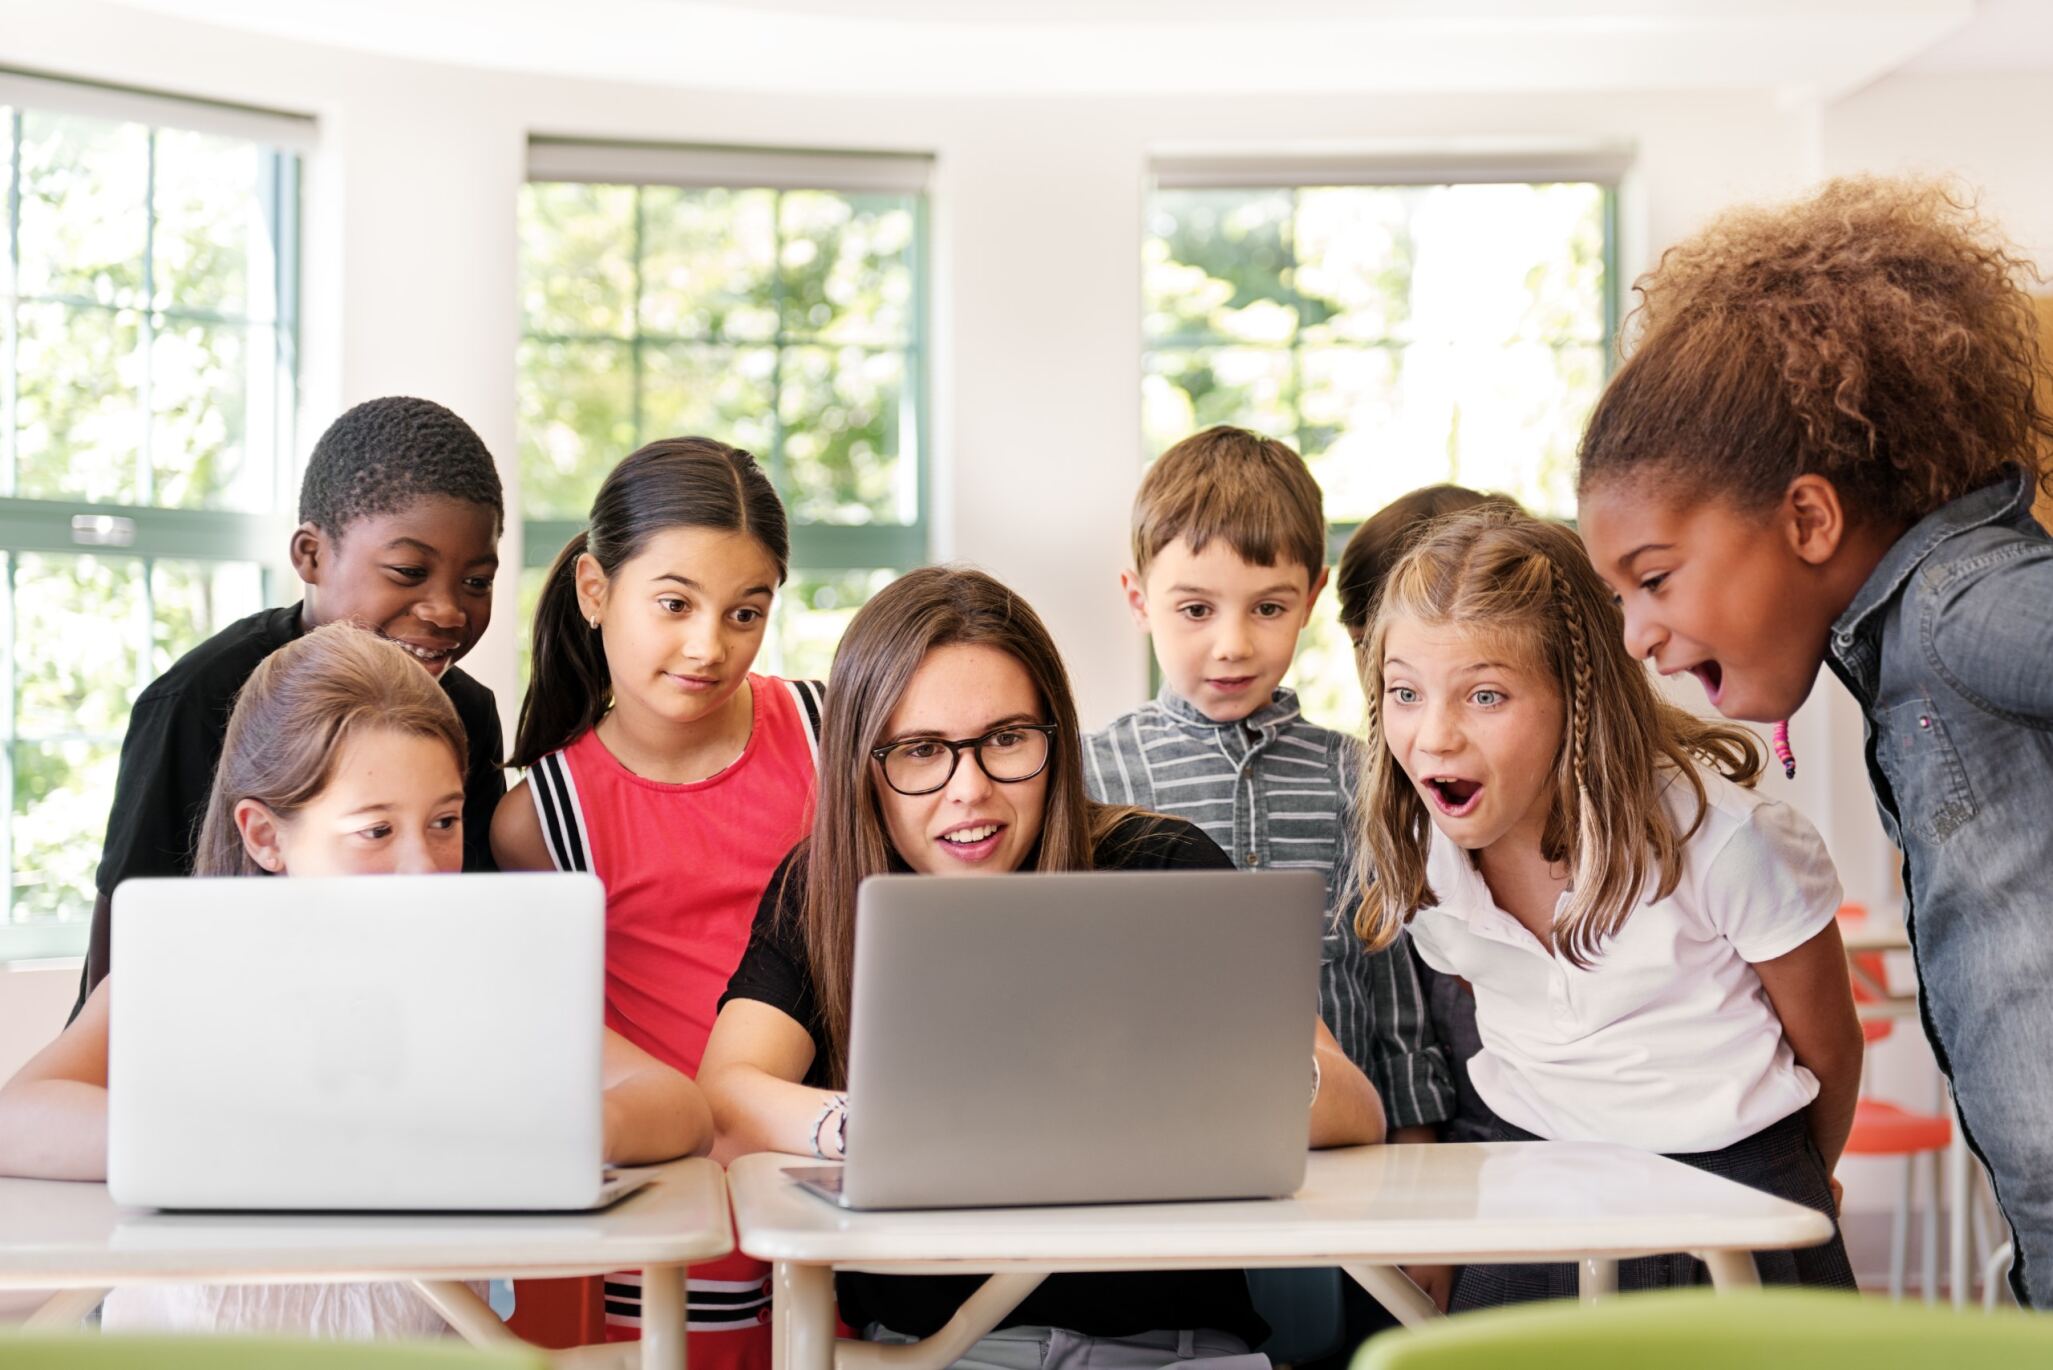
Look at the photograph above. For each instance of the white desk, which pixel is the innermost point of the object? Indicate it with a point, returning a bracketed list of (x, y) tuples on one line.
[(1366, 1209), (72, 1237)]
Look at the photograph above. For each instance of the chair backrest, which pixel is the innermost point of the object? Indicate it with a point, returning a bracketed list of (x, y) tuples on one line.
[(87, 1351), (1873, 965), (1697, 1329)]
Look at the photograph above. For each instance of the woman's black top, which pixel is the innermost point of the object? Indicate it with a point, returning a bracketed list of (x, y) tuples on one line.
[(775, 970)]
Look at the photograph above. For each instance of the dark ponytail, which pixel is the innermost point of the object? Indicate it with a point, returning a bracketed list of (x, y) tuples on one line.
[(670, 483)]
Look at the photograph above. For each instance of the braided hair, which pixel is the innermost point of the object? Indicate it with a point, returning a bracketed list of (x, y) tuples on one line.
[(1528, 583)]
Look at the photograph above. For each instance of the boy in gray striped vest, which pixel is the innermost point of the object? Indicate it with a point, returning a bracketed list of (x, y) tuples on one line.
[(1229, 554)]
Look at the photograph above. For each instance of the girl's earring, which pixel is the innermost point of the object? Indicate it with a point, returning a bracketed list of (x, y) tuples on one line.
[(594, 621)]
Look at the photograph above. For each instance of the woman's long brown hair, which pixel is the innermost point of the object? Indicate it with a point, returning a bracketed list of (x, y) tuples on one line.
[(890, 636), (1501, 572), (292, 718)]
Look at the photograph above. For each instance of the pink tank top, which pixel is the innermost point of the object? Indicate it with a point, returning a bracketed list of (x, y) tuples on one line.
[(684, 866)]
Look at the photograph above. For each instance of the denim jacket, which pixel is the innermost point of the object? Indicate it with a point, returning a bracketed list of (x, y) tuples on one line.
[(1949, 649)]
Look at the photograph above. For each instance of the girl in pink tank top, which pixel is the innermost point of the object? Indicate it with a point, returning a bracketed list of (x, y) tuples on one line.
[(660, 763)]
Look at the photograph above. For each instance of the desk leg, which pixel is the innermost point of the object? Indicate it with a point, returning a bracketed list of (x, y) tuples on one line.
[(801, 1316), (1731, 1270), (663, 1317), (64, 1310), (1596, 1280), (980, 1312), (471, 1318), (468, 1315), (1392, 1288)]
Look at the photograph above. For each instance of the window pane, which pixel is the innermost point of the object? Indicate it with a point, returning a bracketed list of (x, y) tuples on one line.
[(576, 420), (847, 266), (1329, 691), (211, 251), (200, 401), (84, 186), (575, 280), (1354, 437), (61, 794), (813, 610), (708, 263), (716, 392), (1217, 264), (77, 648), (79, 418), (842, 411), (1355, 254), (195, 600), (82, 645), (1184, 391)]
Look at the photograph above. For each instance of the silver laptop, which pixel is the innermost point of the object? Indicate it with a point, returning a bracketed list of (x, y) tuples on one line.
[(1069, 1039), (373, 1042)]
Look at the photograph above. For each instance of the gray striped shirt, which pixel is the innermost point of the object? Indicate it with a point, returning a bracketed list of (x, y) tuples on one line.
[(1273, 791)]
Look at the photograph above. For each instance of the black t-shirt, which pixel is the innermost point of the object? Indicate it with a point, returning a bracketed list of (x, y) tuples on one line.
[(775, 971), (175, 732)]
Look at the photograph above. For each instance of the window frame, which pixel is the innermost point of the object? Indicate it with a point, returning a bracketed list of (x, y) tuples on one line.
[(143, 534), (815, 547)]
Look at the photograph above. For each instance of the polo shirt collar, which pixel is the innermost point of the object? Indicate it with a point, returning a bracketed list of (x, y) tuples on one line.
[(1281, 711), (1464, 895)]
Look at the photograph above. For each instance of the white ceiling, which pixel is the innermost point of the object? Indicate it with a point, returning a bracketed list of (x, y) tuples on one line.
[(1143, 47)]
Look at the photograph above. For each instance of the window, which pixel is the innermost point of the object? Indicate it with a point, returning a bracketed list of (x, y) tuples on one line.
[(1397, 334), (147, 395), (771, 300)]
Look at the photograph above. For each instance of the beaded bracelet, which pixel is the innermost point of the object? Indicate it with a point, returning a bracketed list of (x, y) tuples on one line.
[(837, 1101)]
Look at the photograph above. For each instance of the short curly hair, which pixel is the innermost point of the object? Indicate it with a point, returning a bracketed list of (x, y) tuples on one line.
[(387, 453), (1877, 333)]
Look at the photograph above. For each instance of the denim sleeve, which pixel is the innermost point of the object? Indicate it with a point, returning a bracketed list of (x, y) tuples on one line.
[(1988, 628)]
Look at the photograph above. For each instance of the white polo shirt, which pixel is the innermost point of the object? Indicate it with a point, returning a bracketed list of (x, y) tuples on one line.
[(1667, 1041)]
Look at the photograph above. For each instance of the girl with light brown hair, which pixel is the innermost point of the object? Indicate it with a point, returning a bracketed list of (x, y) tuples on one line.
[(1651, 943), (342, 757), (950, 747)]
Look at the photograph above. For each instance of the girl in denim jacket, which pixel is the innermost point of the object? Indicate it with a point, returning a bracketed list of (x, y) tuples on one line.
[(1824, 451)]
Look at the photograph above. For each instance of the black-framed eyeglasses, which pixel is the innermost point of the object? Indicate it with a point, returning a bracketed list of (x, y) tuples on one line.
[(922, 765)]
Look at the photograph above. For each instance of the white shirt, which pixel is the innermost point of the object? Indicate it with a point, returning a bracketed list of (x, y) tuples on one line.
[(1667, 1041)]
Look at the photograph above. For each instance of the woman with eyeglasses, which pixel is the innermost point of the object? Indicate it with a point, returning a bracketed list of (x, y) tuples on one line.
[(950, 747)]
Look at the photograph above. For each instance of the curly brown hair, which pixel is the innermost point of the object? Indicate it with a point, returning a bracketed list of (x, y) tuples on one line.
[(1878, 333)]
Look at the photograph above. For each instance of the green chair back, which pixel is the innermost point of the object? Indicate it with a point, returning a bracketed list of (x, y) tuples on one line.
[(1772, 1329), (91, 1351)]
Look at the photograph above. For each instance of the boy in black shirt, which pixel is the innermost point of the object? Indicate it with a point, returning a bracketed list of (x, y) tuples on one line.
[(400, 515)]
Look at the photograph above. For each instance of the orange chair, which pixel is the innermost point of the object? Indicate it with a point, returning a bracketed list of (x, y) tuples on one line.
[(1881, 1128)]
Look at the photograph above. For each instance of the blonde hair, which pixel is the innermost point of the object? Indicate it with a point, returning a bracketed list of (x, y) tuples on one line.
[(1255, 492), (1499, 571), (292, 718)]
